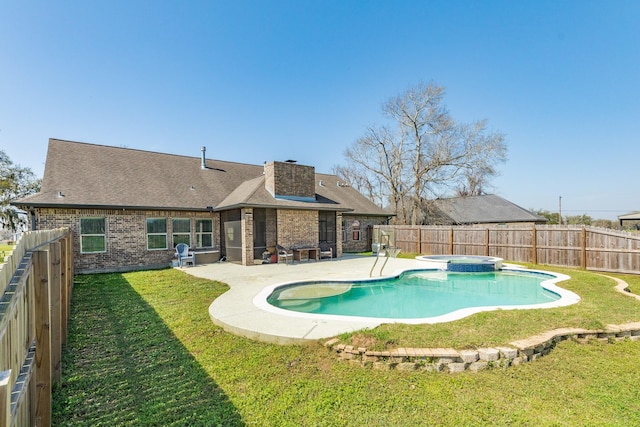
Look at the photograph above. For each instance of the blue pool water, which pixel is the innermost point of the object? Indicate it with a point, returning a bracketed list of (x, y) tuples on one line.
[(416, 294)]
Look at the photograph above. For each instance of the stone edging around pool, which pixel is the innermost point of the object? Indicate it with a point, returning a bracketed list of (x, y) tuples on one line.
[(452, 360)]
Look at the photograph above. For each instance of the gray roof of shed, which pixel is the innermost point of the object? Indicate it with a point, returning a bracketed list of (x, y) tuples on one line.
[(630, 216), (485, 209), (88, 175)]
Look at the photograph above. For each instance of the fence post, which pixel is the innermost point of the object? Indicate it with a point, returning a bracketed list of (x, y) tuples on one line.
[(43, 338), (583, 248), (486, 242), (451, 241), (5, 398), (64, 289), (70, 270), (56, 311), (534, 245)]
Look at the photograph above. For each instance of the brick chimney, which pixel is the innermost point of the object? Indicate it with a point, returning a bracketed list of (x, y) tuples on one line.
[(289, 180)]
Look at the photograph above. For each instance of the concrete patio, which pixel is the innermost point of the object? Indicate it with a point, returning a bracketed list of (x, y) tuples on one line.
[(237, 313)]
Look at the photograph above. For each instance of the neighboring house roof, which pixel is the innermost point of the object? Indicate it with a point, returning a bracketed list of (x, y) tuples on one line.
[(630, 216), (87, 175), (485, 209)]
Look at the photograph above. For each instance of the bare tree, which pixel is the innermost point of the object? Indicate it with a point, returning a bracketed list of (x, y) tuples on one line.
[(375, 167), (488, 151), (422, 153), (473, 186)]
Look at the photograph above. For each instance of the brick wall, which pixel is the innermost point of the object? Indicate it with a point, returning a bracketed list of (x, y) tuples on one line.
[(125, 234), (297, 228), (127, 239), (247, 236), (290, 180), (364, 244)]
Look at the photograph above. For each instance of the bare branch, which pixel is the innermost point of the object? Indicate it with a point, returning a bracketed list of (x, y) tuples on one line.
[(425, 153)]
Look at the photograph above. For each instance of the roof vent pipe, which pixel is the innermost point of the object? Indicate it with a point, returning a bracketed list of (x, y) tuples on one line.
[(203, 164)]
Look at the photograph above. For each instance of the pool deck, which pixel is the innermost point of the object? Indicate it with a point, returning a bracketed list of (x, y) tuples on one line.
[(236, 312)]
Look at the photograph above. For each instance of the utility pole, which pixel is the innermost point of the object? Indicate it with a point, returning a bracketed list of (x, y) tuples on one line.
[(560, 210)]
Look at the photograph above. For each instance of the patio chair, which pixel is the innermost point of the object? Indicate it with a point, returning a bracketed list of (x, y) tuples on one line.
[(284, 253), (325, 251), (184, 256)]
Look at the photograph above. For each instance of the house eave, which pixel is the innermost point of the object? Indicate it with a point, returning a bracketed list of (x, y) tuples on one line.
[(112, 207), (385, 214), (276, 206)]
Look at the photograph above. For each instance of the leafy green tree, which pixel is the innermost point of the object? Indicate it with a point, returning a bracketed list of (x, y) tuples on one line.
[(552, 217), (583, 219), (15, 182)]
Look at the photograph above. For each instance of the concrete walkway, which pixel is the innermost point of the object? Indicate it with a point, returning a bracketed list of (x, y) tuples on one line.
[(237, 313)]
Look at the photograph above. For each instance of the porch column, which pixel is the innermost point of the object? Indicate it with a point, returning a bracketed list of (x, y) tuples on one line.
[(247, 236), (338, 234)]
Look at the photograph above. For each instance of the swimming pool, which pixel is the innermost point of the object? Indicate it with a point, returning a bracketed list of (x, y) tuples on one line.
[(420, 296)]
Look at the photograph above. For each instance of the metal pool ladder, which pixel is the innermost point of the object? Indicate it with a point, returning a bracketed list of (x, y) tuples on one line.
[(388, 251)]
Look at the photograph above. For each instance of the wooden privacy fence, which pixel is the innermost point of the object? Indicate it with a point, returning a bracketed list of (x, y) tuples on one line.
[(36, 280), (583, 247)]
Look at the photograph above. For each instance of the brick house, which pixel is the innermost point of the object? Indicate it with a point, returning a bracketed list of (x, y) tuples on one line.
[(129, 208)]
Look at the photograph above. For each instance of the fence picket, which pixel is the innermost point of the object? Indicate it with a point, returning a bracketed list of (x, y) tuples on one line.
[(36, 281), (583, 247)]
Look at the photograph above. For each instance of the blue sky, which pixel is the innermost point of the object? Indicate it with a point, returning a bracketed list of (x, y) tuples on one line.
[(255, 81)]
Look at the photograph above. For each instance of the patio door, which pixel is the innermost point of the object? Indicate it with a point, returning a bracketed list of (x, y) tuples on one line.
[(327, 228), (233, 240), (259, 232)]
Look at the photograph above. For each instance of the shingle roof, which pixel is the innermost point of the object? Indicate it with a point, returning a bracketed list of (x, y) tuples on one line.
[(485, 209), (88, 175), (254, 193), (630, 216)]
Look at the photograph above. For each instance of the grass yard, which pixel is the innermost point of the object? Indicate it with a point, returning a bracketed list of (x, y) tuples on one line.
[(5, 250), (143, 351)]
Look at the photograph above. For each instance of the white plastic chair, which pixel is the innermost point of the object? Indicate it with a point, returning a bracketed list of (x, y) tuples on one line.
[(184, 256)]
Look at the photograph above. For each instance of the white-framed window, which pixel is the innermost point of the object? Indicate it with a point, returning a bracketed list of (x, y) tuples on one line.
[(355, 230), (93, 235), (204, 233), (344, 231), (181, 231), (156, 233)]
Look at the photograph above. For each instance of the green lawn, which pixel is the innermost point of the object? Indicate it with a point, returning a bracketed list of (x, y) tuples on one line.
[(5, 250), (143, 351)]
